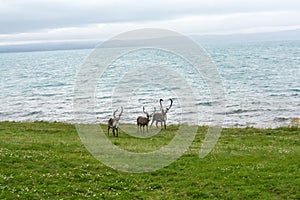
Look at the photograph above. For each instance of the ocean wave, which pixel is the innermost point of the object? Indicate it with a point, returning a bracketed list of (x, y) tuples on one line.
[(240, 111), (281, 119), (295, 90), (32, 113), (204, 104)]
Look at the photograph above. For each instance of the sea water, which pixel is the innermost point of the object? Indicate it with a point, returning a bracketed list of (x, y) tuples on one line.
[(261, 82)]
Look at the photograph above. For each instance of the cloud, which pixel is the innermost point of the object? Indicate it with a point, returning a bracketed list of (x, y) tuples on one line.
[(31, 21), (18, 16)]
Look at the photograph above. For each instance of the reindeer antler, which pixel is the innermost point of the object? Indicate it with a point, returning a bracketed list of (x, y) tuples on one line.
[(161, 106), (114, 113), (145, 111), (121, 111), (170, 104)]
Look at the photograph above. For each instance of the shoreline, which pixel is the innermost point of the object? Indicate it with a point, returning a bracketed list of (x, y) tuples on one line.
[(291, 126)]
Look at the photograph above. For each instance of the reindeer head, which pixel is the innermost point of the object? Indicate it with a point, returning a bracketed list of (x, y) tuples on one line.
[(117, 118)]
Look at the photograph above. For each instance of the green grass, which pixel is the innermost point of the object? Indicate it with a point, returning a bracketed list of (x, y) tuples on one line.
[(47, 160)]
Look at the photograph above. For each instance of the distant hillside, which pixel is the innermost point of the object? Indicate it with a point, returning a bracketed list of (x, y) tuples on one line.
[(254, 37), (48, 46), (206, 39)]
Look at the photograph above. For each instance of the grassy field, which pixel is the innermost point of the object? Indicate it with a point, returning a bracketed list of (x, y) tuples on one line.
[(47, 160)]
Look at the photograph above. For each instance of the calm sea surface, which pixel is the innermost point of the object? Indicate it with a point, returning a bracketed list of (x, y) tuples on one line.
[(261, 83)]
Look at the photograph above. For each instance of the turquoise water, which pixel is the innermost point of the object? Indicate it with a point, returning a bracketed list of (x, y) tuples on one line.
[(261, 82)]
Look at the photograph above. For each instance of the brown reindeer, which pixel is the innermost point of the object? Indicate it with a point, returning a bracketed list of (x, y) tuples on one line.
[(143, 121), (162, 116), (113, 123)]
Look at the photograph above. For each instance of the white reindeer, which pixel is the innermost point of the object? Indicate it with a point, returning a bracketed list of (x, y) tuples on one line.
[(113, 123), (162, 116)]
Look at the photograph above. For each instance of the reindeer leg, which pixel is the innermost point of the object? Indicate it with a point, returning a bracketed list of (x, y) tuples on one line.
[(151, 123), (108, 130), (117, 132)]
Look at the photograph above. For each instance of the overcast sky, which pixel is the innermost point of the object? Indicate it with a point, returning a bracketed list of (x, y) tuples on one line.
[(30, 21)]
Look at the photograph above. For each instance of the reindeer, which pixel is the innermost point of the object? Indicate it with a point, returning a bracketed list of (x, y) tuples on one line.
[(113, 123), (143, 121), (162, 116)]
